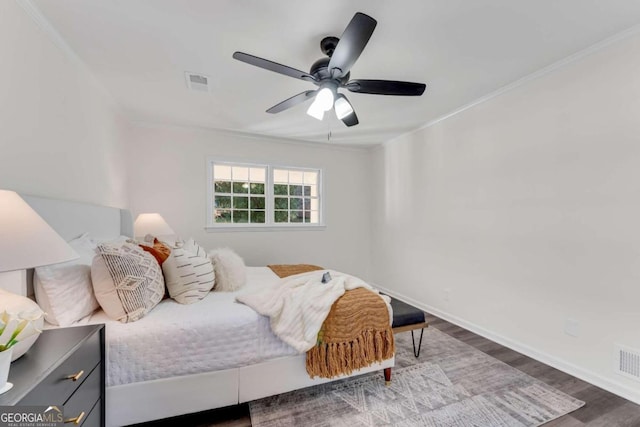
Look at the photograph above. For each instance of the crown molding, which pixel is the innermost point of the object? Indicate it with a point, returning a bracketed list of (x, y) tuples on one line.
[(250, 135)]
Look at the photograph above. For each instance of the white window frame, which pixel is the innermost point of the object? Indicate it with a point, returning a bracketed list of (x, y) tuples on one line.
[(269, 224)]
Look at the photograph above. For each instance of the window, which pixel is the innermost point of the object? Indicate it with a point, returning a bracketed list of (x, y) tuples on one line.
[(253, 195)]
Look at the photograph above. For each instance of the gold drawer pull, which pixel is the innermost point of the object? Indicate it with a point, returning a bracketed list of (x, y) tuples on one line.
[(76, 377), (76, 420)]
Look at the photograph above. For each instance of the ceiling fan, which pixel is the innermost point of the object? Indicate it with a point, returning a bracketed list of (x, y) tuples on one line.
[(332, 73)]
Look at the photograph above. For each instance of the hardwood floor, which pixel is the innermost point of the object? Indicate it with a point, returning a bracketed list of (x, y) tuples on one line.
[(602, 409)]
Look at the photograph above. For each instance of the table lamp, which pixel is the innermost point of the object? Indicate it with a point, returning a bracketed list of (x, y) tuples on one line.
[(26, 241), (153, 224)]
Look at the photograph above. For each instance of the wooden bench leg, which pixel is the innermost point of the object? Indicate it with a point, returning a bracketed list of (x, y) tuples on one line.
[(387, 376), (413, 341)]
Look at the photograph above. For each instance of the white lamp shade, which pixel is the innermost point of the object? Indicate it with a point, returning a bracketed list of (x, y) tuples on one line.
[(26, 240), (342, 107), (151, 223), (315, 111)]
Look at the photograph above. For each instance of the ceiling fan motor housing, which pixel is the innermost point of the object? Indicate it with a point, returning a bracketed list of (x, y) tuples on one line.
[(320, 70)]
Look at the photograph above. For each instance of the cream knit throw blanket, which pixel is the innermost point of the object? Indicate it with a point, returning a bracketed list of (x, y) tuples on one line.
[(298, 305)]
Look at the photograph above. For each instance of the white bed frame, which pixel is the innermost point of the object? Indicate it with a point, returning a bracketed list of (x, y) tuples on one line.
[(156, 399)]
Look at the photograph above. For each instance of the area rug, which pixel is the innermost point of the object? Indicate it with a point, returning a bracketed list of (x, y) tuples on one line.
[(450, 384)]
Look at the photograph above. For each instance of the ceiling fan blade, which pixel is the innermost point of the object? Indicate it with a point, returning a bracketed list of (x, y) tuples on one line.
[(386, 87), (292, 102), (272, 66), (351, 44)]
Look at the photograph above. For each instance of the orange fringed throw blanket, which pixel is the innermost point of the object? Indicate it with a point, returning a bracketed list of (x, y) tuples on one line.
[(355, 334)]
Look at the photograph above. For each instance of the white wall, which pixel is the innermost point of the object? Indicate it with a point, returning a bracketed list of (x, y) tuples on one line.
[(527, 208), (59, 133), (168, 174)]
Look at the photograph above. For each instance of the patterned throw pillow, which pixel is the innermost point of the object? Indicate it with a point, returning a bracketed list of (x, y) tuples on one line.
[(159, 250), (127, 281), (188, 273)]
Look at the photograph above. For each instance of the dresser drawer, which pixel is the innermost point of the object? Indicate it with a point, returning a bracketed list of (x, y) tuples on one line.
[(85, 396), (93, 419), (56, 388)]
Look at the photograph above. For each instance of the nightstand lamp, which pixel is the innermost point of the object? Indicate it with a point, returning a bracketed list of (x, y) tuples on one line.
[(153, 224), (26, 241)]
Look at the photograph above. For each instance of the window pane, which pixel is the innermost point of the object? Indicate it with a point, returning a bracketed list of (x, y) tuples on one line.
[(257, 203), (307, 216), (257, 174), (222, 215), (281, 203), (307, 204), (221, 172), (257, 216), (295, 216), (240, 216), (280, 190), (240, 173), (314, 204), (222, 187), (257, 188), (281, 216), (240, 187), (314, 190), (295, 190), (241, 202), (280, 176), (223, 202), (311, 178), (315, 217), (295, 177), (295, 203)]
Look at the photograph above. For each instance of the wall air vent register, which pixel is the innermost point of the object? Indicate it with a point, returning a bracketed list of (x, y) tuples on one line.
[(197, 82), (627, 362)]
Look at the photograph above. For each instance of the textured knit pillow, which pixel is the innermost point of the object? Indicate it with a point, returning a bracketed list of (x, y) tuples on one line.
[(127, 281), (188, 273), (231, 273), (64, 291)]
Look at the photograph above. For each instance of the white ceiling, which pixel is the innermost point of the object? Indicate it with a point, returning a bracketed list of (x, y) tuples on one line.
[(462, 50)]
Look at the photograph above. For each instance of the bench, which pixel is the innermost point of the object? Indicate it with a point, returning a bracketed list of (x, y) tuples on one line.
[(406, 318)]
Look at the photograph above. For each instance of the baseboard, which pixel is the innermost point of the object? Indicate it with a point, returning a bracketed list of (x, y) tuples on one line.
[(560, 364)]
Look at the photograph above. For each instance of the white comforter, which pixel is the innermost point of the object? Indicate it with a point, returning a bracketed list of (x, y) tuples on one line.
[(298, 305)]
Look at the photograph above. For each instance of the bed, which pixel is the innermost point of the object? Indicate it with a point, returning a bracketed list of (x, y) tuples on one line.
[(184, 358)]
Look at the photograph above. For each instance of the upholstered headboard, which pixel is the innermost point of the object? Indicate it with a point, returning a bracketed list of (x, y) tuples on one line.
[(70, 220)]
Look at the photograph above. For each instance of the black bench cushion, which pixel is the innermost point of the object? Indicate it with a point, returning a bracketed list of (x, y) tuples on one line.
[(405, 314)]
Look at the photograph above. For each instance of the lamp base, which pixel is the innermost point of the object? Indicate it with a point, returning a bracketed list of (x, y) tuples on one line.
[(8, 386)]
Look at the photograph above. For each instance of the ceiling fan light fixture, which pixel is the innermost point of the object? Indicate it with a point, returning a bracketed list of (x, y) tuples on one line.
[(343, 107), (324, 99), (315, 111)]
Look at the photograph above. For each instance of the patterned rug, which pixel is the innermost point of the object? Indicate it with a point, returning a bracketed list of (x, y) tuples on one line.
[(450, 384)]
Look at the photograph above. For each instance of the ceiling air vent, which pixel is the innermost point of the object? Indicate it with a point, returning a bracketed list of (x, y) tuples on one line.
[(197, 82), (627, 362)]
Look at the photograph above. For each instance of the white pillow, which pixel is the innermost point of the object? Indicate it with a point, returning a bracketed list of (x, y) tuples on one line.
[(127, 281), (64, 291), (231, 273), (188, 273)]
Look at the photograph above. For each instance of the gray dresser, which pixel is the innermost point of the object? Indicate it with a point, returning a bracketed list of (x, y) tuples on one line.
[(65, 367)]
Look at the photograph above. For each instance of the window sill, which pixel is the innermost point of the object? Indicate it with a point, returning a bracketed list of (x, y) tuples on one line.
[(234, 228)]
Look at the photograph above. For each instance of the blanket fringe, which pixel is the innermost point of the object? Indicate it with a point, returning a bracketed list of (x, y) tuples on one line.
[(328, 360)]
